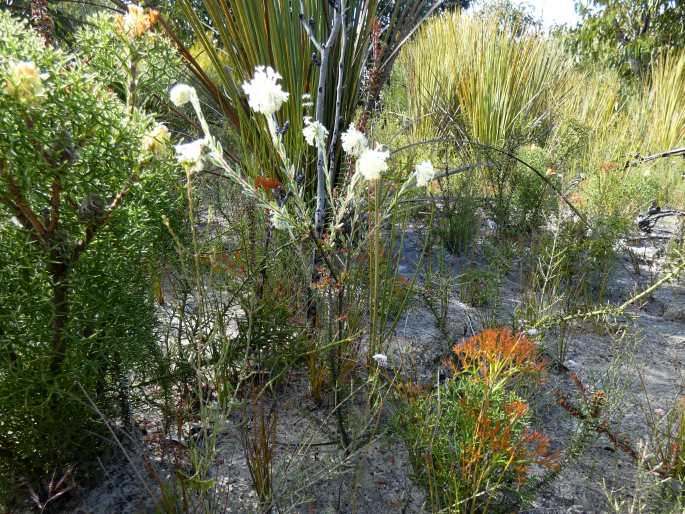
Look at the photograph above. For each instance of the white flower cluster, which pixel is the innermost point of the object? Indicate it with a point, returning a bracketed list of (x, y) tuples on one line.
[(24, 81), (354, 142), (381, 359), (314, 133), (424, 173), (264, 93), (136, 22), (372, 163), (181, 94), (189, 155)]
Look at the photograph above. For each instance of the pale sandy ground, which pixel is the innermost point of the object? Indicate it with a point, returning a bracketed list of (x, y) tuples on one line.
[(311, 475)]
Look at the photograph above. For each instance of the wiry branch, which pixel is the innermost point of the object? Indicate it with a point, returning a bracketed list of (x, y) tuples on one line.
[(675, 152), (309, 31), (463, 169), (339, 87), (408, 32), (505, 153), (55, 193), (93, 229), (16, 201)]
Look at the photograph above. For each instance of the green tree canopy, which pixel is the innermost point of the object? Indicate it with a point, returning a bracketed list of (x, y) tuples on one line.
[(628, 34)]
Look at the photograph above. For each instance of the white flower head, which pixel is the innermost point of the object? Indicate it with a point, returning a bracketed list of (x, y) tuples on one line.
[(381, 360), (314, 132), (532, 332), (264, 94), (372, 163), (156, 141), (181, 94), (353, 141), (424, 173), (189, 155), (278, 221), (24, 81)]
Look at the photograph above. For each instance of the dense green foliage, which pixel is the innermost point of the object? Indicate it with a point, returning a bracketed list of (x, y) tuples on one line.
[(81, 206), (626, 34), (109, 55)]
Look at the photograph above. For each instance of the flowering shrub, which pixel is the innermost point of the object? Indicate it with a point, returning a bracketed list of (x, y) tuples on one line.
[(471, 441), (497, 354), (266, 96), (330, 234), (123, 47), (84, 182)]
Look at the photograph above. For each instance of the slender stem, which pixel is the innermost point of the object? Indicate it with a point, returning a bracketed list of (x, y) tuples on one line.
[(339, 89), (376, 253), (132, 84), (372, 302)]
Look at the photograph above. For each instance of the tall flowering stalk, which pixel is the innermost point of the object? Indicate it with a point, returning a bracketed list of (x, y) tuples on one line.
[(335, 234), (131, 27)]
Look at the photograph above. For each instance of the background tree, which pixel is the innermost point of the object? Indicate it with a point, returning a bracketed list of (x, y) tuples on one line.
[(627, 34)]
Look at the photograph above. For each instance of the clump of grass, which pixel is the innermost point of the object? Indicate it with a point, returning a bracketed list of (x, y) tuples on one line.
[(491, 86), (479, 287)]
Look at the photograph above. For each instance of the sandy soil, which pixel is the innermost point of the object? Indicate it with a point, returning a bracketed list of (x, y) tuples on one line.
[(312, 475)]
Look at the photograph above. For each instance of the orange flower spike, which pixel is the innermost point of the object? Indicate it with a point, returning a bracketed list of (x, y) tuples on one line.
[(516, 409), (498, 351), (266, 183)]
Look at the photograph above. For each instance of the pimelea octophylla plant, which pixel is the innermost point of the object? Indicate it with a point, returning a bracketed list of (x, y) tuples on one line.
[(342, 228), (340, 234)]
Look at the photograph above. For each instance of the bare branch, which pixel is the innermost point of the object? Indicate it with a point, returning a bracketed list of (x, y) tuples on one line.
[(320, 211), (308, 29), (340, 86), (18, 203)]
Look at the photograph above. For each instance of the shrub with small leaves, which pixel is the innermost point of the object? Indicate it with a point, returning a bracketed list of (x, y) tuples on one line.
[(117, 46), (470, 439), (83, 191)]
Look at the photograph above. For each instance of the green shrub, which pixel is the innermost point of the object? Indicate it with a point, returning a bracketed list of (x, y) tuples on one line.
[(469, 440), (82, 196), (479, 287), (458, 221), (532, 200), (101, 46), (588, 258)]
